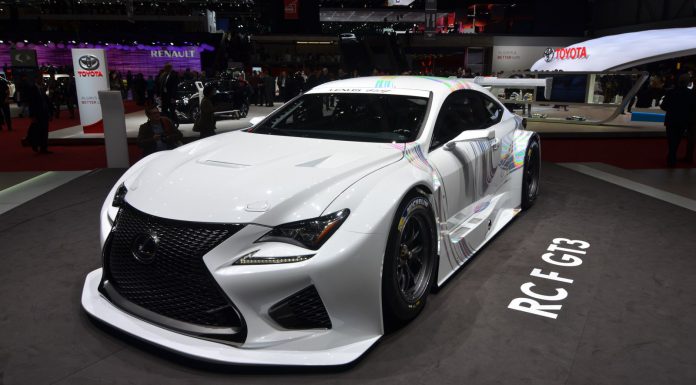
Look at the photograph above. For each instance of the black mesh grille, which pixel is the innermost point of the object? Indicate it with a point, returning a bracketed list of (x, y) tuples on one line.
[(176, 283), (302, 310)]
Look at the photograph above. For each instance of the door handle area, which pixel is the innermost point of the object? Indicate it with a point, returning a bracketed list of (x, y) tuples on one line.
[(495, 143)]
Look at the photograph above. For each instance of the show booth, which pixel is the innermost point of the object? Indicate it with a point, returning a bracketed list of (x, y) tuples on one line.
[(595, 81)]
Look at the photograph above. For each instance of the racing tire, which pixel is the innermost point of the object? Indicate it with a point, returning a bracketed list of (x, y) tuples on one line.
[(530, 176), (409, 261)]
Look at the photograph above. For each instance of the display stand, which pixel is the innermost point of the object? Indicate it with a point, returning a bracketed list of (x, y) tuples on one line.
[(115, 138)]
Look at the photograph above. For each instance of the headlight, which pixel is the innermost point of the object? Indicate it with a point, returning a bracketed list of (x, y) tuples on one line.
[(120, 196), (310, 233)]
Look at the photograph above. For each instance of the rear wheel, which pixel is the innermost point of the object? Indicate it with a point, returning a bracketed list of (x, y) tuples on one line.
[(530, 179), (409, 261)]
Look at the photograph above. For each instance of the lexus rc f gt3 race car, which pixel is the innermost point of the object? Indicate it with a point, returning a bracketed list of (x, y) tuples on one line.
[(297, 241)]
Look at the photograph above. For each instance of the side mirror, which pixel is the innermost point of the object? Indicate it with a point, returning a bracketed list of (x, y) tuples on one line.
[(485, 134), (256, 120), (524, 122)]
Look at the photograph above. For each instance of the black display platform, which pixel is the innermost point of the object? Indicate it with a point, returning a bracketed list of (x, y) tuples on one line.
[(629, 316)]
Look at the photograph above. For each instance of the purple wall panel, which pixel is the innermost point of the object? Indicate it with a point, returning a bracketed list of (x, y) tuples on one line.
[(147, 60)]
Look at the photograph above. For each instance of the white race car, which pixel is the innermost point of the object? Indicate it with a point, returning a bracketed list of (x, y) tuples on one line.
[(301, 240)]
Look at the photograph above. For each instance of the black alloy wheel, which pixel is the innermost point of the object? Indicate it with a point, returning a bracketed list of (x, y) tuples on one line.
[(244, 110), (410, 260), (530, 179)]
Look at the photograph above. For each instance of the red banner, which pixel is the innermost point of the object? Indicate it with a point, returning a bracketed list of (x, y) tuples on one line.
[(291, 9)]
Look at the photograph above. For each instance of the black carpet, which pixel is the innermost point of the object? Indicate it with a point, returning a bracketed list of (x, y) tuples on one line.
[(629, 318)]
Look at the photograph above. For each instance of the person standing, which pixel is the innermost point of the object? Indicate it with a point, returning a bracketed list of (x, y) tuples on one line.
[(253, 81), (129, 84), (323, 76), (205, 124), (5, 104), (158, 133), (139, 88), (257, 82), (169, 81), (40, 113), (282, 79), (679, 104), (22, 96), (269, 87), (150, 88), (71, 95)]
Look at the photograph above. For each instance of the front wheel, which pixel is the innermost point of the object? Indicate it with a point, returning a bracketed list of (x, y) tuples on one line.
[(244, 110), (409, 261), (530, 178)]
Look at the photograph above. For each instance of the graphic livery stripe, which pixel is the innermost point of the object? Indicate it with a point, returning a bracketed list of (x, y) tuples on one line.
[(452, 84), (385, 82)]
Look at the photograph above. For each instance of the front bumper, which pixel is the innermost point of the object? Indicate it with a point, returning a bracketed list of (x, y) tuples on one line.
[(346, 272), (99, 307)]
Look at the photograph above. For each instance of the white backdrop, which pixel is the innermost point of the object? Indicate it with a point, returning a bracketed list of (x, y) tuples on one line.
[(510, 58), (626, 50)]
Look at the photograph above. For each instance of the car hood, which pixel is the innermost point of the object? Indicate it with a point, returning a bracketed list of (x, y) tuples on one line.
[(242, 177)]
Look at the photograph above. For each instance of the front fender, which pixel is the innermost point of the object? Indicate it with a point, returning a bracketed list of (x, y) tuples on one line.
[(373, 200)]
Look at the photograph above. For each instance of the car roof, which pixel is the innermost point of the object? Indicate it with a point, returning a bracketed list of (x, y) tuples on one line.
[(437, 85)]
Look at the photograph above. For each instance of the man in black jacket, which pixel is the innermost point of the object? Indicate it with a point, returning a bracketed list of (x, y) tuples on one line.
[(680, 105), (168, 84), (40, 109), (269, 85), (158, 133)]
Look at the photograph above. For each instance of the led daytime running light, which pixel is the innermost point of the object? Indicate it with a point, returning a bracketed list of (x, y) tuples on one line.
[(251, 259)]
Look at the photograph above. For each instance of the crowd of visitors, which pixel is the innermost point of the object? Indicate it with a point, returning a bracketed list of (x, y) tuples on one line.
[(44, 98)]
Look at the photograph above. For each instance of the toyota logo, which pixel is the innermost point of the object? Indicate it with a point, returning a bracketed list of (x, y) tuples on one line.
[(549, 54), (88, 62), (144, 247), (22, 58)]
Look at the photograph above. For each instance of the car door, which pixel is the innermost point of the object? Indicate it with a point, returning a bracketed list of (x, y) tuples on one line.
[(465, 150)]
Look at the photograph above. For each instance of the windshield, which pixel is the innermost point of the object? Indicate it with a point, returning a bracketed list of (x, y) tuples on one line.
[(354, 117)]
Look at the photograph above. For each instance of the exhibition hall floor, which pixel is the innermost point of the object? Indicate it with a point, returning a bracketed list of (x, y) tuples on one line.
[(627, 319)]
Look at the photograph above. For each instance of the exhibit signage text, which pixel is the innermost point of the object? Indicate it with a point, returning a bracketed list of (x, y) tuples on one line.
[(173, 54), (562, 252), (90, 67), (572, 53), (92, 74)]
